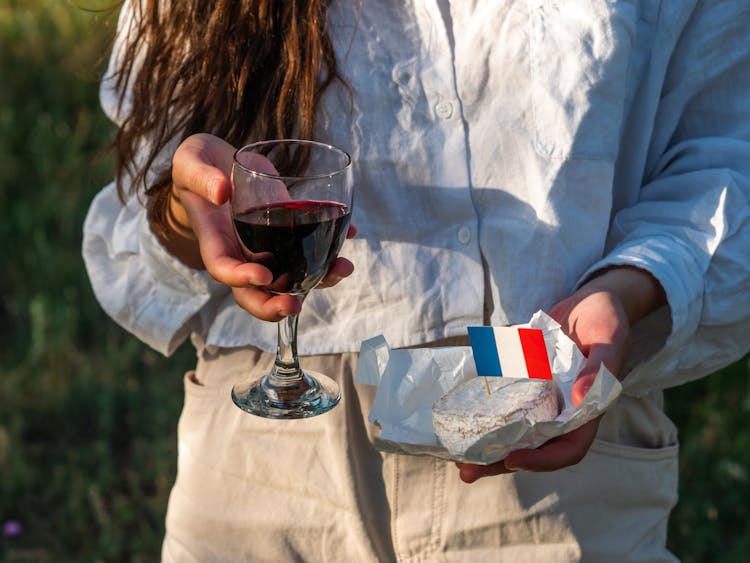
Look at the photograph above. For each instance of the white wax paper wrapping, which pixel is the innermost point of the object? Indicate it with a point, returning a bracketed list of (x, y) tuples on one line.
[(409, 382)]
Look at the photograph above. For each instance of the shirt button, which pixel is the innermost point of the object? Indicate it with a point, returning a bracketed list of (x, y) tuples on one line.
[(444, 110), (464, 235)]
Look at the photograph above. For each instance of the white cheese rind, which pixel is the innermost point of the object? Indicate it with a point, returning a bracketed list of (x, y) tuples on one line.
[(466, 413)]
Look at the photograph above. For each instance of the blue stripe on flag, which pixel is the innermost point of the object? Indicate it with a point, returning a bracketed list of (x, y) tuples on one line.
[(484, 347)]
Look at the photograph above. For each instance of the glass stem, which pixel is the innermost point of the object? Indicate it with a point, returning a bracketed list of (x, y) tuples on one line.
[(286, 369)]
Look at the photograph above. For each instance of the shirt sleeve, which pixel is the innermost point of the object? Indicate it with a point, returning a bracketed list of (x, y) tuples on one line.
[(691, 227), (137, 282)]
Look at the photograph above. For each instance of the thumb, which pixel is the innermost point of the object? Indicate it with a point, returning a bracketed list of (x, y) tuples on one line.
[(201, 165), (609, 355), (582, 384)]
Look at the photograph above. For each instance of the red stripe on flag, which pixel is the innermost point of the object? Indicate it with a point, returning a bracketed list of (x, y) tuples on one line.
[(535, 353)]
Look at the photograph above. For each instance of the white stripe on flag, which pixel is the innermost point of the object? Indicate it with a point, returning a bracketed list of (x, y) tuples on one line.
[(512, 360)]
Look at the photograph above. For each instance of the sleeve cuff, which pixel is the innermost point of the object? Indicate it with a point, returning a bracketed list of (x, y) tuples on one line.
[(176, 295), (657, 337)]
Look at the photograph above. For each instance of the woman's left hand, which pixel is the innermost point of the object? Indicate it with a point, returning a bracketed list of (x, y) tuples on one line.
[(597, 318)]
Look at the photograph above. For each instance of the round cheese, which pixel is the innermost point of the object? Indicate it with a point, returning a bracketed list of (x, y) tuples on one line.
[(466, 413)]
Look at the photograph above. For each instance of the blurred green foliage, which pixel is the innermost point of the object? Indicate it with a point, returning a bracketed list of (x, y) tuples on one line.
[(88, 414), (712, 520)]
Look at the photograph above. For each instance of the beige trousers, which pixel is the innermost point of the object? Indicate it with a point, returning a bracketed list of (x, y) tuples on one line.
[(250, 489)]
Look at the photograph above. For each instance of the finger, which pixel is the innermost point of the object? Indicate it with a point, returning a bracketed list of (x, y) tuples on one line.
[(201, 164), (236, 273), (559, 452), (254, 176), (469, 472), (264, 305), (581, 387), (256, 162), (586, 378), (224, 261), (610, 354), (351, 231), (220, 251), (340, 269)]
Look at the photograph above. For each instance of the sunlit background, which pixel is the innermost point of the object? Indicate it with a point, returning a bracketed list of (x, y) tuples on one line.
[(88, 414)]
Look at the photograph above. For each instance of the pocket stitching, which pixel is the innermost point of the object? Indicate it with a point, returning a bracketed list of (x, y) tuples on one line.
[(635, 453)]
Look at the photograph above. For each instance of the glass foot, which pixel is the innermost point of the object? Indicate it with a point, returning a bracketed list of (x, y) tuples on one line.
[(311, 395)]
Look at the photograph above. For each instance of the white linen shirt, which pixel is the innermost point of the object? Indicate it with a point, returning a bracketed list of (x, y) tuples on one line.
[(503, 151)]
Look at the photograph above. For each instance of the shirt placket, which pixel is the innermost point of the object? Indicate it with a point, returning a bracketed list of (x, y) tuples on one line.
[(451, 169), (417, 484)]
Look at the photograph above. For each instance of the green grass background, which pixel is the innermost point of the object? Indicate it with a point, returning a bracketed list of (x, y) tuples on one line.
[(88, 414)]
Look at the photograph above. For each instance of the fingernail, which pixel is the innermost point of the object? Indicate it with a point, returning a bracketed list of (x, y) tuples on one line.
[(289, 312), (517, 466), (215, 194), (211, 191)]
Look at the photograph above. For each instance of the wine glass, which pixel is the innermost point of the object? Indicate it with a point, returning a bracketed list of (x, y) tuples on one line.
[(291, 207)]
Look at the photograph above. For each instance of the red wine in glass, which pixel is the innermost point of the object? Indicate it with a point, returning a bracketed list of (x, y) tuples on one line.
[(296, 240), (291, 205)]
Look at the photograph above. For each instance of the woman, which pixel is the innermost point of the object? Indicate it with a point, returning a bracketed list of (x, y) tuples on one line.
[(590, 161)]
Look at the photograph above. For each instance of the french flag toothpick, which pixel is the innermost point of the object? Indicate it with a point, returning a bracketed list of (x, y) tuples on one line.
[(510, 352)]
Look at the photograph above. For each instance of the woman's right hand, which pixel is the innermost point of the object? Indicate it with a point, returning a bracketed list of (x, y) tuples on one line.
[(199, 204)]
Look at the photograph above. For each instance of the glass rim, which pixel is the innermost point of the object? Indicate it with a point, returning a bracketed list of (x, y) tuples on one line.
[(249, 147)]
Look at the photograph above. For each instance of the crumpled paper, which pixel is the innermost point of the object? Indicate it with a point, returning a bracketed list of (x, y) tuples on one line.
[(409, 381)]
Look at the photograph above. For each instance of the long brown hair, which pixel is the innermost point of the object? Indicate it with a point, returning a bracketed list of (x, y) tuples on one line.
[(240, 69)]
